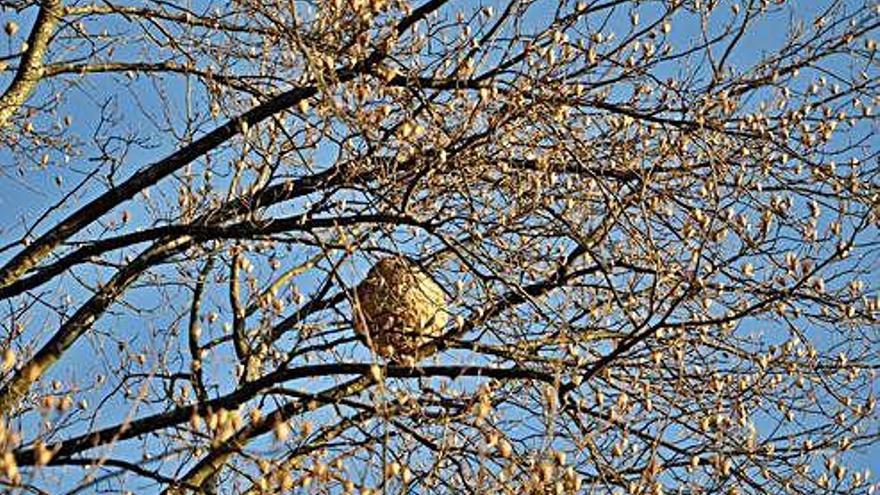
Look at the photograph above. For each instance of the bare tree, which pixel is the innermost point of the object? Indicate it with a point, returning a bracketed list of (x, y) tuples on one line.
[(651, 228)]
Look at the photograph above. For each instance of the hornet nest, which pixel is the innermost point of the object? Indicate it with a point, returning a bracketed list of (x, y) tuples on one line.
[(398, 308)]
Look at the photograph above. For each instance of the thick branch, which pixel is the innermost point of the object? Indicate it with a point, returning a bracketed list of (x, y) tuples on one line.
[(30, 72), (247, 391), (14, 390), (42, 246)]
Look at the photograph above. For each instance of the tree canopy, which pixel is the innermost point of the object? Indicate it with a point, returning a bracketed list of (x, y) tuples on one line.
[(653, 225)]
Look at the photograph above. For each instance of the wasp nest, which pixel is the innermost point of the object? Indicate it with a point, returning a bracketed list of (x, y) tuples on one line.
[(398, 308)]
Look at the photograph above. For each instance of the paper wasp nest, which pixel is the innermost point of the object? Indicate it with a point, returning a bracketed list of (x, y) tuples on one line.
[(398, 308)]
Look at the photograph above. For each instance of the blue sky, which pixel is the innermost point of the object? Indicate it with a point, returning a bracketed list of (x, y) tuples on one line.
[(23, 198)]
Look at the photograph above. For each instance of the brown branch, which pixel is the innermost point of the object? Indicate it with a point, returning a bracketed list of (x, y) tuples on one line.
[(241, 230), (211, 464), (193, 334), (235, 82), (46, 243), (30, 72), (16, 388), (249, 390)]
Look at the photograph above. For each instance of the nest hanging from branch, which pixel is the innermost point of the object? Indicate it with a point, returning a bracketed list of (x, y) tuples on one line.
[(398, 308)]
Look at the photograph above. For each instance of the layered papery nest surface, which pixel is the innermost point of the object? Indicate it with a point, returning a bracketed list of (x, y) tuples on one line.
[(398, 308)]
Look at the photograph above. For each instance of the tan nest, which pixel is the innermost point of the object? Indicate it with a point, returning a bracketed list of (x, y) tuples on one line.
[(398, 309)]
